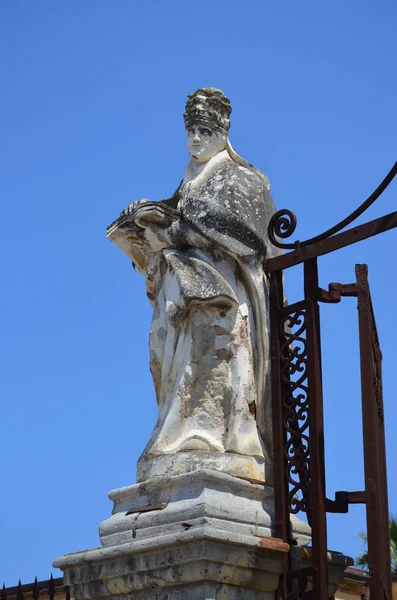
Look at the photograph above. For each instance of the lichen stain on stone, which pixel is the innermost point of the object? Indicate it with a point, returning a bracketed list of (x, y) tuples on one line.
[(155, 369), (161, 334), (185, 404), (225, 353), (244, 334), (203, 396), (220, 330), (156, 312), (163, 268), (252, 409), (206, 401)]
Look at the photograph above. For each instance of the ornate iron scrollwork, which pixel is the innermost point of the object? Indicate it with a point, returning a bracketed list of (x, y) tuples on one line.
[(293, 363), (283, 222)]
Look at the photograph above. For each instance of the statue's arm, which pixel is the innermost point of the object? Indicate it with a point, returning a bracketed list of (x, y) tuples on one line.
[(220, 226), (176, 196), (172, 202)]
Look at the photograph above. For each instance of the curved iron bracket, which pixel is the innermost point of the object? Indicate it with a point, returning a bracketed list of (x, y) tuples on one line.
[(283, 222)]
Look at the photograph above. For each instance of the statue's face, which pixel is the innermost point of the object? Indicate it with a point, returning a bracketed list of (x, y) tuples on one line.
[(203, 143)]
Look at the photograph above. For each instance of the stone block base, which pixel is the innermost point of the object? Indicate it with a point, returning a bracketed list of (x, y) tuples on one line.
[(197, 535), (201, 563), (201, 535), (202, 591)]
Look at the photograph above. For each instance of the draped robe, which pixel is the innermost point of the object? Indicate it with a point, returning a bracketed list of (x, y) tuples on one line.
[(209, 339)]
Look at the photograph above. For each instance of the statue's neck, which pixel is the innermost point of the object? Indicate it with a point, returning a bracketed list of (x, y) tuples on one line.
[(194, 168)]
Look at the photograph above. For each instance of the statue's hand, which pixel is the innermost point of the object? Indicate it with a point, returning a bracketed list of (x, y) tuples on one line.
[(157, 237), (133, 206)]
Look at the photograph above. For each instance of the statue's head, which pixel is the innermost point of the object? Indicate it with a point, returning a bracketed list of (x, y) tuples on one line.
[(207, 121)]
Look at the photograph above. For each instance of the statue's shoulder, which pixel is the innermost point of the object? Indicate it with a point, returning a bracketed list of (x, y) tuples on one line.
[(241, 184), (238, 172)]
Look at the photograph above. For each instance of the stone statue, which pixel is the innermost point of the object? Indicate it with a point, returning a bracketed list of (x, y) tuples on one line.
[(199, 521), (202, 252)]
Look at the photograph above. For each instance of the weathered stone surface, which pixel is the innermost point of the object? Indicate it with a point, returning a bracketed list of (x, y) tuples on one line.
[(202, 253), (202, 559), (209, 533), (201, 591), (191, 559), (193, 500), (250, 468)]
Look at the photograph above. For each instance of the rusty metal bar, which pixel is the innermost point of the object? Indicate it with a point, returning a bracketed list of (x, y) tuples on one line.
[(51, 588), (351, 497), (35, 590), (343, 500), (20, 595), (283, 222), (318, 519), (29, 588), (279, 437), (290, 308), (281, 517), (147, 508), (341, 240), (374, 444)]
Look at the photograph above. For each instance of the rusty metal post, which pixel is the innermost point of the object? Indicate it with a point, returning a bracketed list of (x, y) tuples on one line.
[(281, 515), (36, 590), (20, 595), (282, 526), (318, 519), (374, 444), (51, 588)]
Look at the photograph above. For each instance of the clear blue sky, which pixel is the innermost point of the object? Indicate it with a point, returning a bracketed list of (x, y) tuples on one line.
[(91, 118)]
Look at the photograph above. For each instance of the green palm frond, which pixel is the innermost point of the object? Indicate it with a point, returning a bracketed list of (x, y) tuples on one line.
[(393, 542), (393, 528), (362, 559)]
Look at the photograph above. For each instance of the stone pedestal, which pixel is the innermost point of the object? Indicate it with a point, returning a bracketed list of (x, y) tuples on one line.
[(199, 564), (202, 535)]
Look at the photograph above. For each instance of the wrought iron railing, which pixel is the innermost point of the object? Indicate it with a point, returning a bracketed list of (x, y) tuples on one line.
[(49, 588)]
